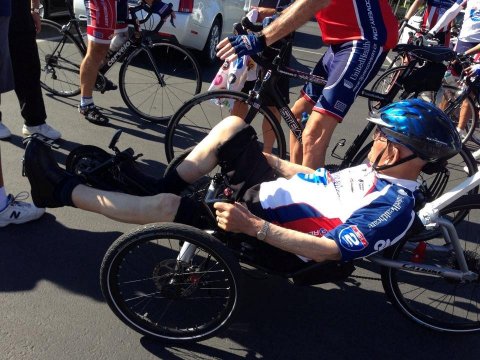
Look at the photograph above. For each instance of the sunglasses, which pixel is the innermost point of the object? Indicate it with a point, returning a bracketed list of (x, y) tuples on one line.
[(379, 135)]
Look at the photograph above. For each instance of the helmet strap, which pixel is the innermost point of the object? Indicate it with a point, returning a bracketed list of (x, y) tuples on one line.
[(376, 167)]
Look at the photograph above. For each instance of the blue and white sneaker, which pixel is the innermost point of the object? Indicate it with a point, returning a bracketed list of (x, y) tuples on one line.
[(19, 212)]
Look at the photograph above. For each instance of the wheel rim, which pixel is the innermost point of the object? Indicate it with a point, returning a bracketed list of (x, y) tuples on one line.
[(165, 298), (441, 304), (214, 40)]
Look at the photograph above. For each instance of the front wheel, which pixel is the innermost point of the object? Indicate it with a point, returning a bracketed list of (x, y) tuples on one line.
[(155, 293), (156, 80), (427, 298), (60, 57), (196, 118)]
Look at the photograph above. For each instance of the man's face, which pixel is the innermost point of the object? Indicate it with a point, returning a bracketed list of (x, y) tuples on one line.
[(379, 143)]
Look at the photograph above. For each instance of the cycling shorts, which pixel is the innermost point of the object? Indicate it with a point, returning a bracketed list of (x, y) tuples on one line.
[(105, 18), (348, 68)]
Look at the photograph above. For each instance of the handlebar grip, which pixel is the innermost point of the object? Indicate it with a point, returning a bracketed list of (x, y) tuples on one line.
[(248, 25)]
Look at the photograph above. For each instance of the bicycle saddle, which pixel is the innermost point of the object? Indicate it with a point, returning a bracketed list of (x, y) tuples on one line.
[(429, 53)]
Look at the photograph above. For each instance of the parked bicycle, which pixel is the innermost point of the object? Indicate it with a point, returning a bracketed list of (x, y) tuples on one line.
[(194, 120), (155, 77)]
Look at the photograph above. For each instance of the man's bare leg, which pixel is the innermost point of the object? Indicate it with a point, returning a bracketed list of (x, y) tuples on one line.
[(296, 149), (203, 157), (316, 138), (96, 53), (127, 208)]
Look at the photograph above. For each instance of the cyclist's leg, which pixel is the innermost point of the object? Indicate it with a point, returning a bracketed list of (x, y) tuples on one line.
[(309, 95), (350, 67), (101, 24)]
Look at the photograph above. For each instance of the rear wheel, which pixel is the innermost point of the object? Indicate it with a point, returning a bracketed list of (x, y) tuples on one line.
[(156, 80), (152, 291), (60, 58), (427, 298)]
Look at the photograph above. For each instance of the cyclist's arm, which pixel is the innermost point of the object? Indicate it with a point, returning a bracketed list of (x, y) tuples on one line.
[(292, 18), (473, 50), (285, 168), (237, 218), (413, 9), (448, 16)]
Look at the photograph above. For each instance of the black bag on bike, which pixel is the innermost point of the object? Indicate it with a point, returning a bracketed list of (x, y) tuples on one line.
[(425, 78)]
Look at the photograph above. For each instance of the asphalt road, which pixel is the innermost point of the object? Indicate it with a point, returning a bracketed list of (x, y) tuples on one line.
[(52, 307)]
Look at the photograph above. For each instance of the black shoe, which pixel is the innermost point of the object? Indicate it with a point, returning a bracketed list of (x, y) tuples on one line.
[(104, 84), (93, 115), (44, 174)]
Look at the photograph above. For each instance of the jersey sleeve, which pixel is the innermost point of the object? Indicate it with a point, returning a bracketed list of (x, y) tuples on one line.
[(380, 223)]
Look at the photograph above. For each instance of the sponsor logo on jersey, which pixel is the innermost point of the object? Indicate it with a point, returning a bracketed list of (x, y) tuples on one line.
[(347, 84), (396, 207), (340, 106), (351, 238)]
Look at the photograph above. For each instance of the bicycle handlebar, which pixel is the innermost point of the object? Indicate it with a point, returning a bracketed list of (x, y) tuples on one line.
[(149, 9)]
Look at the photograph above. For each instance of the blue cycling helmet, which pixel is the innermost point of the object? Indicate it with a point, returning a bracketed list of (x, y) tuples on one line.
[(421, 127)]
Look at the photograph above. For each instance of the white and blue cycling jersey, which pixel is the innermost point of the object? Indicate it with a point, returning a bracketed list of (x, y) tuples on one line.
[(362, 211)]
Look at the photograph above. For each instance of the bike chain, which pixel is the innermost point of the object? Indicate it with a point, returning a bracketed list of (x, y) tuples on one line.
[(365, 277)]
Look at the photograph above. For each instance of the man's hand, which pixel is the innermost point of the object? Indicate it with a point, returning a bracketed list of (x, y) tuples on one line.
[(236, 218), (473, 70), (236, 46)]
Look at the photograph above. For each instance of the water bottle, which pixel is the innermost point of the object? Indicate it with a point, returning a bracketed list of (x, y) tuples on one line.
[(304, 119), (117, 41)]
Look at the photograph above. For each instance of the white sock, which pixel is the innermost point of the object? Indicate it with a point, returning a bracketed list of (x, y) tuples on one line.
[(3, 198)]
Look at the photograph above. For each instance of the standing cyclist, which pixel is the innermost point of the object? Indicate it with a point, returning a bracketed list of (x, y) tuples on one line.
[(359, 34), (105, 18)]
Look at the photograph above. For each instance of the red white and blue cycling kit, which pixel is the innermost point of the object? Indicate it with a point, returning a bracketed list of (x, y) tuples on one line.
[(360, 33), (105, 18), (434, 10), (361, 210)]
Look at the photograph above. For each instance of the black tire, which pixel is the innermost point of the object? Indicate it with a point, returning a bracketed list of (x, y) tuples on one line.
[(387, 80), (156, 98), (60, 57), (196, 118), (428, 299), (396, 61), (445, 99), (141, 283), (458, 169), (208, 55)]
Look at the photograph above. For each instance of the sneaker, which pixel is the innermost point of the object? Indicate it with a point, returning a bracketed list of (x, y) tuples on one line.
[(44, 129), (93, 115), (462, 133), (45, 176), (4, 132), (19, 212)]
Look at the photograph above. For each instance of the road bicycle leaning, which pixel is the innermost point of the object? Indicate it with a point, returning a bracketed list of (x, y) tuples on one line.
[(155, 76)]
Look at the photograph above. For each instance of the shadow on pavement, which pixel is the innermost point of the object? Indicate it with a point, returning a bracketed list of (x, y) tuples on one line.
[(282, 321), (68, 258)]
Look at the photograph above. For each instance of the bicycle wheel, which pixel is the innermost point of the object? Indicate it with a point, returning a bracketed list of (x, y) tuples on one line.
[(194, 120), (156, 80), (385, 83), (457, 170), (428, 299), (168, 299), (395, 62), (60, 57), (445, 100)]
